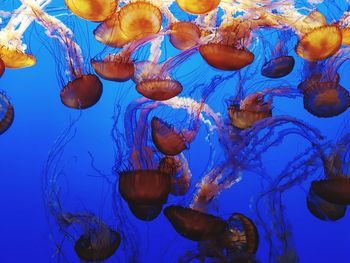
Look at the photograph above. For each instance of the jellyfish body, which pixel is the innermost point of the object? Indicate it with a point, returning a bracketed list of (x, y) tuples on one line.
[(194, 225), (198, 6), (184, 35), (2, 67), (225, 57), (92, 10), (97, 246), (117, 68), (145, 192), (335, 189), (320, 43), (324, 99), (244, 119), (159, 89), (323, 209), (6, 113), (140, 19), (83, 92), (278, 67), (166, 138)]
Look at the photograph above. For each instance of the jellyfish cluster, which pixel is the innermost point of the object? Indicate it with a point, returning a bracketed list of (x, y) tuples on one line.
[(250, 48)]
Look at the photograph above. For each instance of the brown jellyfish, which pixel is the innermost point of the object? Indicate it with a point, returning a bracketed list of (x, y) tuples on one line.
[(92, 10), (241, 235), (166, 138), (6, 113), (323, 209), (140, 19), (225, 57), (97, 246), (335, 189), (278, 67), (82, 92), (145, 191), (320, 43), (2, 67), (324, 99), (194, 225), (115, 67), (159, 89), (249, 111), (180, 179), (184, 35), (198, 6)]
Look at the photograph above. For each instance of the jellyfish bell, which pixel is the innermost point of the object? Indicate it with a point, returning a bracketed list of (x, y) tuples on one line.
[(140, 19), (345, 36), (82, 92), (194, 225), (119, 68), (241, 235), (15, 58), (97, 247), (166, 138), (92, 10), (320, 43), (278, 67), (323, 209), (198, 6), (6, 113), (145, 192), (324, 99), (184, 35), (173, 166), (2, 67), (226, 57), (159, 89), (334, 189)]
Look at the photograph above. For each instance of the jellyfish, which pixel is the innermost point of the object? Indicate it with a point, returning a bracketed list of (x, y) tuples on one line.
[(92, 10), (82, 90), (184, 35), (323, 95), (194, 225), (145, 192), (2, 67), (12, 49), (198, 7), (6, 113), (95, 240)]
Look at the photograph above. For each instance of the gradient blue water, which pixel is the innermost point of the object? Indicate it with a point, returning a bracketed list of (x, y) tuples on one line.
[(39, 120)]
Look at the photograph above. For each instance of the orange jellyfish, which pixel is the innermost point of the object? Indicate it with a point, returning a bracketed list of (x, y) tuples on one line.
[(140, 19), (198, 6), (318, 40), (82, 90), (184, 35), (194, 225), (97, 246), (323, 209), (92, 10), (227, 52), (12, 49), (241, 235), (179, 174), (6, 113), (167, 140), (145, 192)]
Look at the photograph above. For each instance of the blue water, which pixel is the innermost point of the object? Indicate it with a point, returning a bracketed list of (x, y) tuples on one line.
[(27, 231)]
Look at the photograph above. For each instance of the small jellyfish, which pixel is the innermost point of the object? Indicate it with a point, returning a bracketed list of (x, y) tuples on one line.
[(323, 209), (145, 192), (278, 67), (198, 6), (92, 10), (2, 67), (184, 35), (167, 140), (6, 113), (324, 98), (140, 19), (179, 173), (194, 225)]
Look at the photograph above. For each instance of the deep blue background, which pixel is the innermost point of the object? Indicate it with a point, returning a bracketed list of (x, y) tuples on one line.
[(40, 118)]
